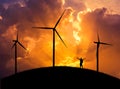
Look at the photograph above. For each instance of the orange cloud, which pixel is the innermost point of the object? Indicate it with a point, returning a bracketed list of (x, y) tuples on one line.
[(77, 28)]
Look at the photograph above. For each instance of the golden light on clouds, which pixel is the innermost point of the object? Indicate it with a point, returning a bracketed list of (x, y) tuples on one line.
[(63, 2), (77, 28), (69, 61), (40, 49), (31, 43), (76, 36), (10, 33), (85, 11), (79, 40)]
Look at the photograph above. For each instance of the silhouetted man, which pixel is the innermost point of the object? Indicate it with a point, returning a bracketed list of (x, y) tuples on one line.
[(81, 62)]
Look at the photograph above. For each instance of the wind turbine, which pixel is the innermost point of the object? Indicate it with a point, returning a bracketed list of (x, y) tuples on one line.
[(15, 45), (97, 50), (54, 31)]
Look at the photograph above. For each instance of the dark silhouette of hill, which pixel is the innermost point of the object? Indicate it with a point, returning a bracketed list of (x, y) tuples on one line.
[(59, 76)]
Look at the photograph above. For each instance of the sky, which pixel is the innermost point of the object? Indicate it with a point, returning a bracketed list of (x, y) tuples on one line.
[(78, 28)]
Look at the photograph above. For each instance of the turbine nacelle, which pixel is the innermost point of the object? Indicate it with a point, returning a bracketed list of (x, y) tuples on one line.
[(15, 41)]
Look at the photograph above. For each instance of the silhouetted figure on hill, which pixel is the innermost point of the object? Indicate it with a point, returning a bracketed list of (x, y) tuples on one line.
[(81, 62)]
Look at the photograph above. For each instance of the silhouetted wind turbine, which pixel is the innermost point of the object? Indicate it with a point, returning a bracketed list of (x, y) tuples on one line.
[(54, 30), (15, 45), (97, 51)]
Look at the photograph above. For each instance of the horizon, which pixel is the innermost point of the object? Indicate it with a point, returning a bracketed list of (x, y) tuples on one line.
[(64, 74), (58, 68)]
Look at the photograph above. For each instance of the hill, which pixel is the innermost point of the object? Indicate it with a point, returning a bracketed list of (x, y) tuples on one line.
[(58, 76)]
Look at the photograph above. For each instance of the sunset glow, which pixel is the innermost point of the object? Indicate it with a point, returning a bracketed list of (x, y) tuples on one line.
[(78, 28)]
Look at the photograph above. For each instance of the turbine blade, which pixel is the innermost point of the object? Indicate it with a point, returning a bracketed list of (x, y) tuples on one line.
[(21, 45), (59, 19), (14, 44), (95, 42), (17, 36), (60, 38), (98, 37), (42, 27), (104, 43)]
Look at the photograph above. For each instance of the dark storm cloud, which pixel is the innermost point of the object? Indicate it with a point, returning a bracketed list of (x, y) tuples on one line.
[(77, 5), (35, 11), (44, 10), (6, 1), (2, 9), (39, 11), (10, 1)]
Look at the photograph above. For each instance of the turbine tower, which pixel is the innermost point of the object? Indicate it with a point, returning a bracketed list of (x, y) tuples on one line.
[(54, 31), (97, 50), (15, 45)]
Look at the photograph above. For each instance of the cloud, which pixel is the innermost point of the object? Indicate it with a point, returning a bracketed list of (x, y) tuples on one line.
[(7, 1), (39, 42), (108, 27), (76, 5), (15, 17)]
